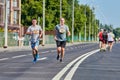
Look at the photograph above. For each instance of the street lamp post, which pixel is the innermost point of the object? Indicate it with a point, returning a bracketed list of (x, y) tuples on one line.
[(73, 22), (92, 24), (89, 25), (43, 23), (85, 25), (60, 8), (38, 20), (6, 26)]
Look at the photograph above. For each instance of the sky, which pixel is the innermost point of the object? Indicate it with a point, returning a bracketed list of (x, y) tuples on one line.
[(107, 11)]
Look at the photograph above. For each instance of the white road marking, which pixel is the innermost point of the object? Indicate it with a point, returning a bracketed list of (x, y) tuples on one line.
[(21, 72), (62, 72), (53, 50), (23, 67), (3, 59), (44, 58), (74, 68), (45, 52), (19, 56), (30, 54)]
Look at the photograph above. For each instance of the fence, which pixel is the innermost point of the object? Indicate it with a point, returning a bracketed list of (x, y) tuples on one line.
[(12, 39), (49, 39)]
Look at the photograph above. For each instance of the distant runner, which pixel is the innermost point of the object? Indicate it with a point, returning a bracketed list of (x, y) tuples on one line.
[(110, 40), (105, 38), (100, 39)]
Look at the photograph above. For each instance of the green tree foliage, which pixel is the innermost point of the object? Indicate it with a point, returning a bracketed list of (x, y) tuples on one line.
[(117, 32), (30, 9), (83, 14)]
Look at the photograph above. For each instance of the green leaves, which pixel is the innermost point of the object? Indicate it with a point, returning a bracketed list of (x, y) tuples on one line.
[(34, 9)]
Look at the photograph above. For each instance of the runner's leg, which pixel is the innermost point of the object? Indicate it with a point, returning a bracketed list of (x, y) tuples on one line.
[(58, 43), (62, 50), (58, 52)]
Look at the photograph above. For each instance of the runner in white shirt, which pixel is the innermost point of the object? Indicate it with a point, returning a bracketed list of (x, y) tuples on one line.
[(35, 31), (110, 40)]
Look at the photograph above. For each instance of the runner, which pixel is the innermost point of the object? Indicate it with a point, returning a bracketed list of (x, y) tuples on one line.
[(60, 37), (100, 39), (105, 38), (110, 40), (35, 32)]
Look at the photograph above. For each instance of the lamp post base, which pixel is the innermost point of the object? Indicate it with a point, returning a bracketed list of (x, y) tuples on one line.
[(4, 46)]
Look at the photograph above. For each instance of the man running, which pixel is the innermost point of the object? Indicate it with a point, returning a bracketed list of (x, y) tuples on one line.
[(35, 31), (60, 37), (105, 38), (100, 39), (110, 40)]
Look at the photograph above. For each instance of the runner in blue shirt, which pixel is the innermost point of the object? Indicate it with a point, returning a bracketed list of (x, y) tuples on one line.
[(60, 37)]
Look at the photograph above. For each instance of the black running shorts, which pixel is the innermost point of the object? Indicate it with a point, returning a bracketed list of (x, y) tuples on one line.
[(61, 43)]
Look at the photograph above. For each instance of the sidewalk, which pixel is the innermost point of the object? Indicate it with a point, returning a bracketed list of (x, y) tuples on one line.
[(22, 48)]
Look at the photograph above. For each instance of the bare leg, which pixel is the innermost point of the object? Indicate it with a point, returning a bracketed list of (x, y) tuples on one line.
[(35, 52), (62, 52), (58, 52), (111, 44), (100, 44)]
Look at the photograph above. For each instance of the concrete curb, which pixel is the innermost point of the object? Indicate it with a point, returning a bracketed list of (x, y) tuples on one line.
[(22, 48)]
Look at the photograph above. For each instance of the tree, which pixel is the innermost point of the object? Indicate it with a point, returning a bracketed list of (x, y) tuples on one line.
[(30, 9), (34, 9)]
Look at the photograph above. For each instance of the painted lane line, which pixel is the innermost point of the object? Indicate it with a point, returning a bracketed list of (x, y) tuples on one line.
[(18, 72), (20, 67), (3, 59), (62, 72), (44, 58), (53, 50), (29, 54), (18, 56), (74, 68), (45, 52)]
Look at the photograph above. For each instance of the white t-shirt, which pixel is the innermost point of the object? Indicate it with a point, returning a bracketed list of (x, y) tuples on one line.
[(111, 36), (34, 37)]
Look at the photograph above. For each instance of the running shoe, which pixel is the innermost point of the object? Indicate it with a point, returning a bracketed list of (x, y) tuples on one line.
[(58, 57), (37, 56), (34, 60), (61, 60)]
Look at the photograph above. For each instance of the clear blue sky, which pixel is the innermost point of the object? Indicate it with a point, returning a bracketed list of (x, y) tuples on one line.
[(107, 11)]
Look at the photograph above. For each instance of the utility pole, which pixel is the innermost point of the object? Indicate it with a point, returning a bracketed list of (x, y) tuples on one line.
[(38, 20), (73, 22), (6, 26), (43, 23), (93, 21), (60, 8), (85, 25), (89, 25)]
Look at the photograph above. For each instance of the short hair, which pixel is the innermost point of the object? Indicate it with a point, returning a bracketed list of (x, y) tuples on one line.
[(34, 19), (104, 29), (110, 30), (62, 19)]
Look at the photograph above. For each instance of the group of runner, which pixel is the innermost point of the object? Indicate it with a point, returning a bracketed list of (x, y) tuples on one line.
[(35, 31), (106, 38)]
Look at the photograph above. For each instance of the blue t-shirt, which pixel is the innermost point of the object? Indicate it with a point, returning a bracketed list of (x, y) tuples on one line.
[(61, 32), (34, 37)]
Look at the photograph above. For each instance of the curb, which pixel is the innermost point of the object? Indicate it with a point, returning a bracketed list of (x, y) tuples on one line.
[(22, 48)]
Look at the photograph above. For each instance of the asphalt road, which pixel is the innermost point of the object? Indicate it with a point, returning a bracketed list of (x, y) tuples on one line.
[(81, 62)]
